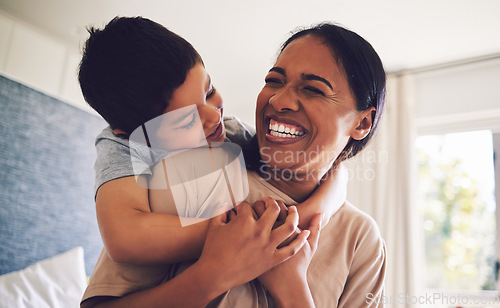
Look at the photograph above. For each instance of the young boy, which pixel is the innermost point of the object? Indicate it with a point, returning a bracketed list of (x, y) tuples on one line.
[(131, 72)]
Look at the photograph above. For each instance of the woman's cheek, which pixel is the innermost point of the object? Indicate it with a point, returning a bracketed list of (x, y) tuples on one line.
[(261, 101)]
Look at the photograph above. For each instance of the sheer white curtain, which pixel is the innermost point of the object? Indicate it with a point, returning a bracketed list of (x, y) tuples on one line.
[(382, 183)]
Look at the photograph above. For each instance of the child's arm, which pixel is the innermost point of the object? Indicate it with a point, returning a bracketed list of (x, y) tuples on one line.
[(132, 233), (253, 251), (327, 198)]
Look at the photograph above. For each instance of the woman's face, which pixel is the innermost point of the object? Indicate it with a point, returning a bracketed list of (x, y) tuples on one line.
[(306, 112)]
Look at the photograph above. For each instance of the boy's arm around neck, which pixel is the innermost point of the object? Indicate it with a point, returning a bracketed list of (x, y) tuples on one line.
[(328, 197), (133, 234)]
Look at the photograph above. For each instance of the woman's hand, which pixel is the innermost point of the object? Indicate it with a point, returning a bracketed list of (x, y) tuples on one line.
[(235, 252), (287, 282), (240, 250), (261, 206)]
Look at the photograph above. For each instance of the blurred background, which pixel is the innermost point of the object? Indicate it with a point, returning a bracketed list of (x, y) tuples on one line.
[(428, 178)]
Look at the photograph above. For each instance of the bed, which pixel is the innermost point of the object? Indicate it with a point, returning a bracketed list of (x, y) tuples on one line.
[(49, 239)]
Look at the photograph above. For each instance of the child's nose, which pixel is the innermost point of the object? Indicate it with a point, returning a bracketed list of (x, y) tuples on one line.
[(210, 116), (216, 101)]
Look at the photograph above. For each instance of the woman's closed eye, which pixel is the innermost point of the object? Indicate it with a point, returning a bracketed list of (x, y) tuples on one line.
[(313, 90), (273, 82)]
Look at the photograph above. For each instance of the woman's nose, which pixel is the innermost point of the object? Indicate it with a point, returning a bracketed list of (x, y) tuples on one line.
[(285, 99)]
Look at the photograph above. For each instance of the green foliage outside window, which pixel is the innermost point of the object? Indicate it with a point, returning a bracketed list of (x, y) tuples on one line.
[(459, 227)]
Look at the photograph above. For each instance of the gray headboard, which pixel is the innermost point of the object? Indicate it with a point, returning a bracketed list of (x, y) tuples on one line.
[(46, 178)]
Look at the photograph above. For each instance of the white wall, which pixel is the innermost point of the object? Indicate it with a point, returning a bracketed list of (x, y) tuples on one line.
[(40, 61), (445, 96), (464, 97), (48, 64)]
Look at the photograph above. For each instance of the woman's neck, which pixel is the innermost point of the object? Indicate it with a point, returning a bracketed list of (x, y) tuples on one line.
[(299, 188)]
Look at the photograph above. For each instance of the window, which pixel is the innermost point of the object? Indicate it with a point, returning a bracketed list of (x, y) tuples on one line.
[(456, 196)]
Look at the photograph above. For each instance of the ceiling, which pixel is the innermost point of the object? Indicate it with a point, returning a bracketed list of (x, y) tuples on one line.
[(406, 34), (239, 39)]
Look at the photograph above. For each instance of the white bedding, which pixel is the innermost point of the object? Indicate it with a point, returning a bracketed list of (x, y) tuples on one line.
[(54, 282)]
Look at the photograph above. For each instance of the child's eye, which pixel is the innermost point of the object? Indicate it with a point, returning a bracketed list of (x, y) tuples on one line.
[(211, 93), (190, 124)]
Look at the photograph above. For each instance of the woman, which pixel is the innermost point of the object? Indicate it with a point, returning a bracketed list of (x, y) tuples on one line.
[(321, 103)]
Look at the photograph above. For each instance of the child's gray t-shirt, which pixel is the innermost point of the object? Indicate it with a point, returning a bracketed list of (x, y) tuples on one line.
[(116, 159)]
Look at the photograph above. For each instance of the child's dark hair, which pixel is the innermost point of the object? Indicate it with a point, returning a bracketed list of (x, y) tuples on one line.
[(130, 69)]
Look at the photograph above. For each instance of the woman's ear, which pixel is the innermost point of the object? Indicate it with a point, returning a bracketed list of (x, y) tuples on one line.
[(364, 124)]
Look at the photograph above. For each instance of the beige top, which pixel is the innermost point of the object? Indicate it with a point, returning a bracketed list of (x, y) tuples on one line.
[(347, 270)]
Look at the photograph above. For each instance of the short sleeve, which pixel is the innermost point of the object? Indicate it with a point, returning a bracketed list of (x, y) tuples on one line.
[(114, 160)]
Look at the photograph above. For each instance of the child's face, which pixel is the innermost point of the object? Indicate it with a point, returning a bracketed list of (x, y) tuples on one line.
[(194, 115)]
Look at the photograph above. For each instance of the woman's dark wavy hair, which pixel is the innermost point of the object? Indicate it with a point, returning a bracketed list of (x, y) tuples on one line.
[(130, 69), (363, 69)]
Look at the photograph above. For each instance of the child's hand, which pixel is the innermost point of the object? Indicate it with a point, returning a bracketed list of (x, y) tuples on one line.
[(244, 248)]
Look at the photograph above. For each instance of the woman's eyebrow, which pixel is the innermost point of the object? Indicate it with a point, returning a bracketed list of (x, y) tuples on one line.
[(318, 78), (278, 70)]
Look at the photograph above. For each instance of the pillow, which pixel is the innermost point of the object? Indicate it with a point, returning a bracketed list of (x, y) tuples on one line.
[(54, 282)]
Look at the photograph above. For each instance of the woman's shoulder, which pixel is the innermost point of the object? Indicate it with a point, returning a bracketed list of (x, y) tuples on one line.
[(359, 224), (355, 214)]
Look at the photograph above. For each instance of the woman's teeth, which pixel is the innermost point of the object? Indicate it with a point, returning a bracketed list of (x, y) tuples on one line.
[(284, 130)]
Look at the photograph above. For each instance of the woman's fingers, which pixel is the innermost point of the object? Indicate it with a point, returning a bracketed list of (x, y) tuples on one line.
[(283, 210), (281, 233), (219, 219), (224, 208), (270, 215), (245, 210), (231, 214), (259, 208), (315, 227), (284, 253)]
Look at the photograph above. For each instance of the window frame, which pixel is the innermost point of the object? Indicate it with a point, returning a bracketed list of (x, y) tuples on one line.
[(464, 122)]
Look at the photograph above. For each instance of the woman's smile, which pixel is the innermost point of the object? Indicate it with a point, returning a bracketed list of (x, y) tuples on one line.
[(284, 131)]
